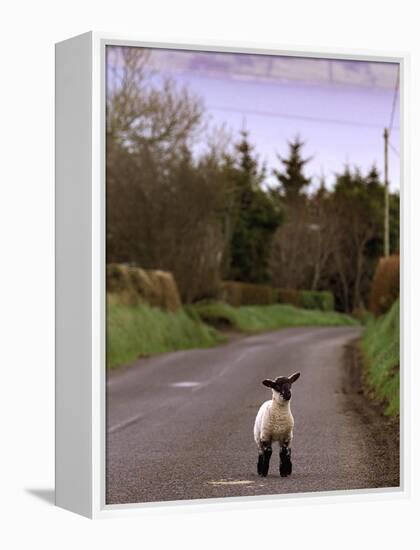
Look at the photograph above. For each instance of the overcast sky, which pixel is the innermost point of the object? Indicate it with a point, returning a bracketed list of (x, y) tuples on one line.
[(339, 108)]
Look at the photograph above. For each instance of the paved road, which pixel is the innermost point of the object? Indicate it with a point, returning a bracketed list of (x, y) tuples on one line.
[(180, 424)]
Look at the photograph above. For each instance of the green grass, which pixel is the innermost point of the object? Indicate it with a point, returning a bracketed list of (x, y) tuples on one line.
[(381, 349), (138, 331), (262, 318)]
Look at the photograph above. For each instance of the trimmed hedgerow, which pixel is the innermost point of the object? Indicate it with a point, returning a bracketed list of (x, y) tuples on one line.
[(237, 294), (385, 286), (314, 299), (135, 286), (288, 296)]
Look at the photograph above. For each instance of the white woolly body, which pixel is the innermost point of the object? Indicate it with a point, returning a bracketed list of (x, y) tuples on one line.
[(274, 422)]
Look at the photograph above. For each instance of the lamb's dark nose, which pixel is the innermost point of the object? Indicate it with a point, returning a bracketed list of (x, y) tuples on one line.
[(287, 396)]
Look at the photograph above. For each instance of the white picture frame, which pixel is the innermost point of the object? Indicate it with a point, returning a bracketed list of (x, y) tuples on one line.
[(80, 274)]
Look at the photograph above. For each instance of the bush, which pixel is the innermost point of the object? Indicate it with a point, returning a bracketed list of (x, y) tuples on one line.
[(247, 294), (385, 286), (135, 286), (307, 299), (312, 299), (288, 296)]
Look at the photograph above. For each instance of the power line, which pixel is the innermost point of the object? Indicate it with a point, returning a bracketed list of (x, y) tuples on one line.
[(272, 114), (387, 144), (394, 149), (394, 100)]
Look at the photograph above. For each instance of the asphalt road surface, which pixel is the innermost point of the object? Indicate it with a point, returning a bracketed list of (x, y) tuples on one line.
[(179, 425)]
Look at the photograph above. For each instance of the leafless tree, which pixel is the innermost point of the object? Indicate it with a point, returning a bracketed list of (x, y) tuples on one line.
[(290, 262), (164, 205), (145, 109)]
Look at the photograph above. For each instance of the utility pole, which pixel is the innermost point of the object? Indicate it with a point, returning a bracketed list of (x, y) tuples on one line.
[(386, 217)]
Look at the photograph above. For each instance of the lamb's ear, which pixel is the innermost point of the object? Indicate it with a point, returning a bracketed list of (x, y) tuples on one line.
[(294, 377), (268, 383)]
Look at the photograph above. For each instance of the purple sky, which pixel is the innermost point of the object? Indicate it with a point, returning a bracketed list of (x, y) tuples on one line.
[(339, 108)]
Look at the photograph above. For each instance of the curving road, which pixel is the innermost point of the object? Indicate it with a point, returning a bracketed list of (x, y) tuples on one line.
[(180, 424)]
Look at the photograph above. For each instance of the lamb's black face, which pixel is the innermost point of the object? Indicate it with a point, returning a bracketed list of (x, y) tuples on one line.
[(282, 385)]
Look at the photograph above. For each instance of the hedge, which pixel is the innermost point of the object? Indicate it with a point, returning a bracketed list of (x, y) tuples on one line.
[(385, 286), (238, 294), (134, 286), (321, 300), (288, 296), (307, 299)]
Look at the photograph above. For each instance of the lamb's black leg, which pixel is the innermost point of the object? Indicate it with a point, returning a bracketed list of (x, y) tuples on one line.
[(285, 461), (264, 458), (260, 463)]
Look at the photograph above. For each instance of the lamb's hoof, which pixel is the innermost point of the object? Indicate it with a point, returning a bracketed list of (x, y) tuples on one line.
[(285, 470)]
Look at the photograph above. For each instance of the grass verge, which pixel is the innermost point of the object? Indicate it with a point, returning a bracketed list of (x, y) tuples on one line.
[(139, 331), (381, 351), (262, 318)]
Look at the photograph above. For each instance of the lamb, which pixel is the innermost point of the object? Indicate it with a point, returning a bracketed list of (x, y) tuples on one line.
[(274, 422)]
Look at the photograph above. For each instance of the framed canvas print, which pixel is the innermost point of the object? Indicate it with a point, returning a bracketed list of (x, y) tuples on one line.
[(229, 255)]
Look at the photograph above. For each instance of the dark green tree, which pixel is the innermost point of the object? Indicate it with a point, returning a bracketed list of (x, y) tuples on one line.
[(292, 180), (358, 234), (290, 260), (255, 217)]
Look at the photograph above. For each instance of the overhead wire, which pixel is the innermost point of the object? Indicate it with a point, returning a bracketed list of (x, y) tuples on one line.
[(394, 101), (295, 117)]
